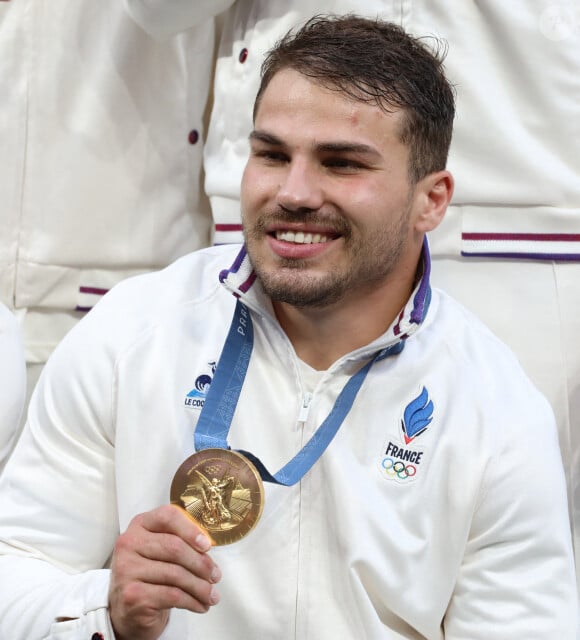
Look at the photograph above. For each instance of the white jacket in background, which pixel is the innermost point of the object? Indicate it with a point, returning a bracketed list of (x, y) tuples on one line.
[(101, 146)]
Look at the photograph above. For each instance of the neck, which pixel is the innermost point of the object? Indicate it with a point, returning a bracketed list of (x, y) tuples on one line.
[(321, 336)]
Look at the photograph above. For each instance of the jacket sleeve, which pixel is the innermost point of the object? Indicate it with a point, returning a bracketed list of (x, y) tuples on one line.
[(58, 508), (517, 577), (77, 604), (165, 18)]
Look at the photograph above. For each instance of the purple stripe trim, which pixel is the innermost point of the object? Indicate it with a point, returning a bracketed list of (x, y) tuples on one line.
[(235, 266), (238, 261), (83, 309), (552, 257), (97, 291), (420, 302), (397, 327), (538, 237), (248, 283), (228, 227)]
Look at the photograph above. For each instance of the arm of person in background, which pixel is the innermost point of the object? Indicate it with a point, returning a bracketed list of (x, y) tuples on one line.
[(12, 382), (164, 18)]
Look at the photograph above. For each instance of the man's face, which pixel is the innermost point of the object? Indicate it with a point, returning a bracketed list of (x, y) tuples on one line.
[(326, 202)]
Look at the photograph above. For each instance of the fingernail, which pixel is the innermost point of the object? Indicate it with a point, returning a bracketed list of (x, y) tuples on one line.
[(202, 543), (214, 596), (216, 575)]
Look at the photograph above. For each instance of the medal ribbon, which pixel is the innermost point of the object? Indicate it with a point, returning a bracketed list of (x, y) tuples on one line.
[(222, 398)]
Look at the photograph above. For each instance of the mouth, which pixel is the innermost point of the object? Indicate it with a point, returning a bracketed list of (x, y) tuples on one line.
[(301, 237)]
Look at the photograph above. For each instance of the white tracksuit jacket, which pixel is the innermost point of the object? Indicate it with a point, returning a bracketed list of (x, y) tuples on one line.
[(474, 544)]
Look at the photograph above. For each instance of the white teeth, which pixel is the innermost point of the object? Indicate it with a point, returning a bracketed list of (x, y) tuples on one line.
[(300, 237)]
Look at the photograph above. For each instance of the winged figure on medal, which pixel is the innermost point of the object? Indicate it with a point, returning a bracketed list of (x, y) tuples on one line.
[(218, 503)]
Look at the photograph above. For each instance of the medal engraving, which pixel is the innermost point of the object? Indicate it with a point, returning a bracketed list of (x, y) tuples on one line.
[(222, 491)]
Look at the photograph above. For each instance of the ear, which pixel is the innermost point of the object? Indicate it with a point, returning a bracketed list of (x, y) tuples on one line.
[(432, 196)]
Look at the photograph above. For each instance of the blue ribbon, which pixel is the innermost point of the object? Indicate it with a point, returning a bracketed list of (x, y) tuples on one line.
[(218, 410)]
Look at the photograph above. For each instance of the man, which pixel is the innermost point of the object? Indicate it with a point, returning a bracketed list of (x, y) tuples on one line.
[(424, 497), (509, 247)]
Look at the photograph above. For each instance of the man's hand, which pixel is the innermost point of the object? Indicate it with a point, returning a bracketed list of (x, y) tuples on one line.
[(160, 562)]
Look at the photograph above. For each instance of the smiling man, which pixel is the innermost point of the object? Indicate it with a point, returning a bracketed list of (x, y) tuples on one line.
[(419, 491)]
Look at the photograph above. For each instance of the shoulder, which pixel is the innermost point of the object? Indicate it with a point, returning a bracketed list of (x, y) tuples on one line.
[(138, 307), (147, 298), (463, 337), (130, 328), (482, 367)]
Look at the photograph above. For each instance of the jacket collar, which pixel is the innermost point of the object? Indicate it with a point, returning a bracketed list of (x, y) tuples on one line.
[(240, 279)]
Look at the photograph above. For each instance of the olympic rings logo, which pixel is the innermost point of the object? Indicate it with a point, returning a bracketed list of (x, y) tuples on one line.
[(397, 469)]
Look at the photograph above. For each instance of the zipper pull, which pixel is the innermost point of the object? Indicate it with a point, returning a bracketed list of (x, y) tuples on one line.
[(303, 415)]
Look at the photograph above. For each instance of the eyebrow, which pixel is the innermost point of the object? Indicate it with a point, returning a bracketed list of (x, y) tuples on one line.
[(348, 147), (267, 138), (332, 147)]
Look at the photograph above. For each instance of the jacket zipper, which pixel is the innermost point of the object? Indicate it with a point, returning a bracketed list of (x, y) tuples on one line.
[(305, 408)]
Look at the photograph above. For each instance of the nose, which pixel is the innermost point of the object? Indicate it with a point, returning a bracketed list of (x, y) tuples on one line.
[(301, 187)]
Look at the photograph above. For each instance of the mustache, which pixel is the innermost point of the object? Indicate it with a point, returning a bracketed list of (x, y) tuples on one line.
[(331, 221)]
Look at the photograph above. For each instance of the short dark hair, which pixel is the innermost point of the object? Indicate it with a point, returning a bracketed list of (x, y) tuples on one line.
[(371, 60)]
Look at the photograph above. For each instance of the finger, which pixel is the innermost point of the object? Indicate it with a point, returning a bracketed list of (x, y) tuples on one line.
[(167, 574), (142, 598), (128, 569), (172, 549), (138, 546), (170, 518)]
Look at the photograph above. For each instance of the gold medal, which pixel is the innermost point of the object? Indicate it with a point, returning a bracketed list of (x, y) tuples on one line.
[(222, 491)]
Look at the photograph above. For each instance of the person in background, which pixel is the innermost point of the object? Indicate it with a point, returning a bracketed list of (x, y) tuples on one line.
[(102, 142), (407, 437), (12, 381), (509, 246)]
